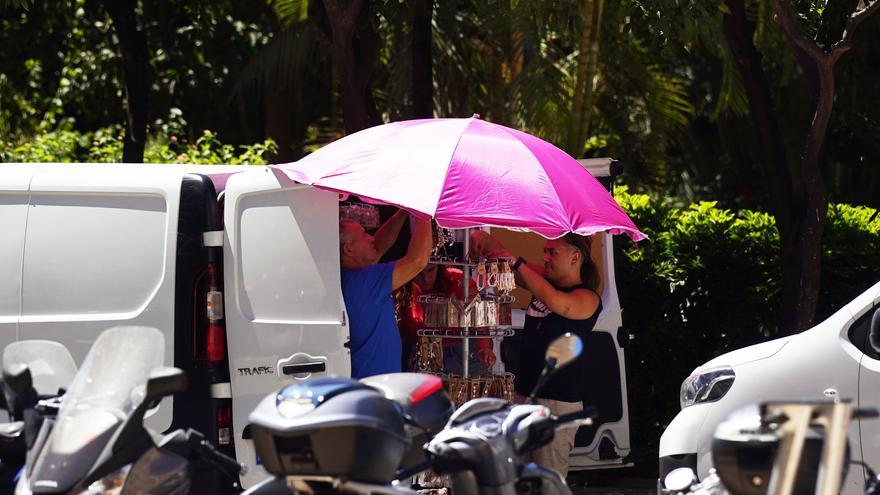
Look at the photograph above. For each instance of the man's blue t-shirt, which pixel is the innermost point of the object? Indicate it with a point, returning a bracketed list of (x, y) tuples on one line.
[(375, 340)]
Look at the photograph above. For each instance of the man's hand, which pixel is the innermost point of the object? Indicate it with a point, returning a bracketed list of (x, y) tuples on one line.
[(484, 245)]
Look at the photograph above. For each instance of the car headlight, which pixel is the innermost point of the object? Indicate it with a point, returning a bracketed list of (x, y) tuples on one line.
[(706, 386), (109, 485)]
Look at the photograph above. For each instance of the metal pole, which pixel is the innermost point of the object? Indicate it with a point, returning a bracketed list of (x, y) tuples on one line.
[(835, 418), (792, 434), (465, 279)]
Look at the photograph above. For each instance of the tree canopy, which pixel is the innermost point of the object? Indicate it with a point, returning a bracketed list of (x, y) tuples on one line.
[(702, 100)]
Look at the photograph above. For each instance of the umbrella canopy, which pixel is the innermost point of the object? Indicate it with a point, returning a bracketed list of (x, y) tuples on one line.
[(466, 173)]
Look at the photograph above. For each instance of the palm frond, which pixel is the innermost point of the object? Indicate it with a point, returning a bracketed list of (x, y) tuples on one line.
[(290, 12)]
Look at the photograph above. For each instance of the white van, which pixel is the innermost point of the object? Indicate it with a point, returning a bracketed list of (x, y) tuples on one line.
[(834, 359), (239, 266)]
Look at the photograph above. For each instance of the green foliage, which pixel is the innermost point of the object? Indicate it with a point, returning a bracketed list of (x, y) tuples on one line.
[(61, 61), (290, 12), (12, 4), (718, 155), (515, 63), (66, 145), (707, 282)]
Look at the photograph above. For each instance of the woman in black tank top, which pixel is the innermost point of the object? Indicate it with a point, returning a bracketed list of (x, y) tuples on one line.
[(542, 327), (565, 298)]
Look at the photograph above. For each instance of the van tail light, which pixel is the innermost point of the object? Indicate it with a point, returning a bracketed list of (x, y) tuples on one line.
[(210, 335), (215, 343), (224, 425)]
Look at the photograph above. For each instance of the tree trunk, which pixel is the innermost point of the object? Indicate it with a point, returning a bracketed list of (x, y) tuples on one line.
[(422, 63), (815, 205), (354, 54), (133, 45), (771, 148), (810, 205), (587, 63), (279, 124)]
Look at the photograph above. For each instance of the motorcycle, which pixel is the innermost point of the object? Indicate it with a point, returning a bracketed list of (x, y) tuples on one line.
[(98, 442), (779, 448), (339, 435)]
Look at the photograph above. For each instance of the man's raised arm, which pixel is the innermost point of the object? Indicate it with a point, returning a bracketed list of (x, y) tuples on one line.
[(417, 254), (386, 235)]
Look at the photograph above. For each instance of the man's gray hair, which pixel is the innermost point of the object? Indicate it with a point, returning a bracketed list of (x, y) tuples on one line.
[(343, 230)]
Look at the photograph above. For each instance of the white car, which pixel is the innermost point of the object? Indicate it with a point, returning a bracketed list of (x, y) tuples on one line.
[(838, 358)]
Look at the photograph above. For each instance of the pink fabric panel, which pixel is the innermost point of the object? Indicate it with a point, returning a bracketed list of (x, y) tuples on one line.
[(466, 173)]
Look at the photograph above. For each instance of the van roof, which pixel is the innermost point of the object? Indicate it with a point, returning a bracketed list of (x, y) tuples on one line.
[(598, 167)]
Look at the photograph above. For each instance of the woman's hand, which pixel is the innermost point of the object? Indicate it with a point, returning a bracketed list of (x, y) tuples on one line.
[(486, 357)]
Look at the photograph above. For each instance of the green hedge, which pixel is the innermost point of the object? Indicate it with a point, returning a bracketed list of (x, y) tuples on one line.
[(65, 145), (707, 282)]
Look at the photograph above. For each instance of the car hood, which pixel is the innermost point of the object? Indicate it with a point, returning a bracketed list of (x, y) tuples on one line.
[(747, 354)]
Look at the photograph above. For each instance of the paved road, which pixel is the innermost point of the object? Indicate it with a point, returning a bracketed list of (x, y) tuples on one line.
[(577, 490), (584, 483), (612, 490)]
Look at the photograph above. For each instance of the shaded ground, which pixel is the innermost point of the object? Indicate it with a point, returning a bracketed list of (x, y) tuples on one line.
[(621, 482), (611, 482)]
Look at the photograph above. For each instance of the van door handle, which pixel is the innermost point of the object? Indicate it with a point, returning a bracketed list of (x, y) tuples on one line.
[(294, 369)]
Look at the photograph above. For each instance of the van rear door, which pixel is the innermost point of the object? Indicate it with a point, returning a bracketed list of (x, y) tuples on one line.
[(285, 315), (13, 216)]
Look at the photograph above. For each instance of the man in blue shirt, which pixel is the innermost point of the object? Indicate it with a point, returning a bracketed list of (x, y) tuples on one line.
[(367, 287)]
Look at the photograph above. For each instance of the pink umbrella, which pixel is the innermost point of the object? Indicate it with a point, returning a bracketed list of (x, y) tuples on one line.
[(466, 173)]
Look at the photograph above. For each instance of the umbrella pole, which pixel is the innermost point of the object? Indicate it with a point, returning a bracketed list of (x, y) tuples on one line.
[(465, 274)]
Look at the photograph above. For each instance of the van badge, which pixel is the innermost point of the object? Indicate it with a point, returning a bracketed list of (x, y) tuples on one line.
[(256, 370)]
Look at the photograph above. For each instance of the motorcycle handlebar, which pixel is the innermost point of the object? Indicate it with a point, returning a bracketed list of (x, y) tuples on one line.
[(865, 412), (588, 412), (49, 407), (221, 460)]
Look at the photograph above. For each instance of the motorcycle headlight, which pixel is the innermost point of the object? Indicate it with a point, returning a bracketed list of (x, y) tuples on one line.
[(706, 386), (109, 485)]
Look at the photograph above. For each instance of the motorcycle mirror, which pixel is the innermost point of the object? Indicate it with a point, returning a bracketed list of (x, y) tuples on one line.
[(17, 378), (18, 389), (562, 351), (165, 381)]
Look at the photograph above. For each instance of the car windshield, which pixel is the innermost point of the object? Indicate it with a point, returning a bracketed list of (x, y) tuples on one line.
[(109, 385)]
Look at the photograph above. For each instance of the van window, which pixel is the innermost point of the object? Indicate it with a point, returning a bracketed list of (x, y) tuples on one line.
[(93, 253), (288, 267), (13, 211)]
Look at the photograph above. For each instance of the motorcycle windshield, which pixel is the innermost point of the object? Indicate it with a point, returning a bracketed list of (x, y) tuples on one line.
[(108, 387)]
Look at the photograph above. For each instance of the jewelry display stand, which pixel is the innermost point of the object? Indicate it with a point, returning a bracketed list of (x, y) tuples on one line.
[(477, 316)]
